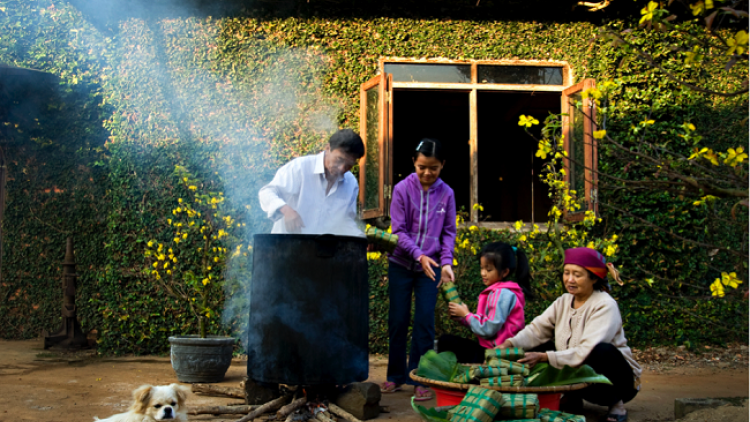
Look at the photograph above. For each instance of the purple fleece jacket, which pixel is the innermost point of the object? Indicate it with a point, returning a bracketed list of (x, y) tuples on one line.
[(425, 222)]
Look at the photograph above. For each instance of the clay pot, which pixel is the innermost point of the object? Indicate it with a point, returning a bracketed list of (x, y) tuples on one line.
[(204, 360)]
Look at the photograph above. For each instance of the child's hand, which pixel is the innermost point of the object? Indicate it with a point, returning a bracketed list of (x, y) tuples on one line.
[(459, 310), (506, 344)]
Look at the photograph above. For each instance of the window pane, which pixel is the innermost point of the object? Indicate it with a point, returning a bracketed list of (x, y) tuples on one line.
[(523, 75), (577, 148), (372, 158), (418, 72)]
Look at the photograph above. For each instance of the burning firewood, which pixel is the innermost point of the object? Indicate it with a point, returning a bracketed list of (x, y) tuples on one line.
[(290, 408), (221, 410), (324, 417), (219, 391), (268, 407), (342, 413)]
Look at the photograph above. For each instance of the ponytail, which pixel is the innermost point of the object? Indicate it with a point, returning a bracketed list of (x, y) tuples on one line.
[(523, 272), (503, 256)]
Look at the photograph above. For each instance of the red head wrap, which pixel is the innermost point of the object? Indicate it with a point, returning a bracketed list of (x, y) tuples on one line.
[(588, 259)]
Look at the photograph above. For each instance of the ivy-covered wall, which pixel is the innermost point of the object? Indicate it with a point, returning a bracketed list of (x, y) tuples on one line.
[(232, 98)]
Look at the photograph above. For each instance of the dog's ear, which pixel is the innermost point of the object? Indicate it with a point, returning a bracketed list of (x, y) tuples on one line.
[(141, 398), (182, 392)]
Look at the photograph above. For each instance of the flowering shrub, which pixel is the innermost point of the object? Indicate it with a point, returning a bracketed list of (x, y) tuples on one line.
[(189, 268)]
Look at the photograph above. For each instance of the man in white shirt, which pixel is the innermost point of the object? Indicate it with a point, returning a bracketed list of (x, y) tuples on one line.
[(317, 194)]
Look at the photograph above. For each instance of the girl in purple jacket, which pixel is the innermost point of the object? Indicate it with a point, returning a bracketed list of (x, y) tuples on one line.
[(423, 215), (500, 306)]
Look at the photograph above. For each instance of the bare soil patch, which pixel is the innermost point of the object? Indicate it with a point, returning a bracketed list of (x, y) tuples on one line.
[(38, 385)]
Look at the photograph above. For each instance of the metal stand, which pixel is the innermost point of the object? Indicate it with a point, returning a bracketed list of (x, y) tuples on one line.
[(70, 336)]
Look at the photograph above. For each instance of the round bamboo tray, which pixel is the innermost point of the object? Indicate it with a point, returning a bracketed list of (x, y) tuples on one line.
[(456, 386)]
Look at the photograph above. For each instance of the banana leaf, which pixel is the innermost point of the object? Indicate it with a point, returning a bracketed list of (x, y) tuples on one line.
[(544, 375), (438, 366), (429, 415)]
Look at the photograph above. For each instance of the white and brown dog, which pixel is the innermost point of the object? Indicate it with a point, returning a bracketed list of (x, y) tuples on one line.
[(150, 404)]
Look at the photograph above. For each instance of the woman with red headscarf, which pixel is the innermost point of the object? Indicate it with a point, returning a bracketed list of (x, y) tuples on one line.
[(586, 327)]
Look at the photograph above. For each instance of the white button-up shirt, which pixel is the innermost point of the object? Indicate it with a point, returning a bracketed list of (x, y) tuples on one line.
[(301, 184)]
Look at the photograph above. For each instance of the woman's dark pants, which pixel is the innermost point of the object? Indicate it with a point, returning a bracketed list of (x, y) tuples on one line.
[(606, 360), (401, 283)]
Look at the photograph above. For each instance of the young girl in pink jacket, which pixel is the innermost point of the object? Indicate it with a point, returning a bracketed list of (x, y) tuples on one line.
[(499, 314)]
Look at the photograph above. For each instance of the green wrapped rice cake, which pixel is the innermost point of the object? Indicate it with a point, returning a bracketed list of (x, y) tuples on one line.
[(547, 415), (519, 406), (450, 293), (387, 241), (503, 381), (510, 353), (514, 368), (479, 405)]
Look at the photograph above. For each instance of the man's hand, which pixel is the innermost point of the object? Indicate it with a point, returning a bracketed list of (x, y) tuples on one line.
[(458, 310), (532, 358), (446, 275), (427, 264), (292, 220)]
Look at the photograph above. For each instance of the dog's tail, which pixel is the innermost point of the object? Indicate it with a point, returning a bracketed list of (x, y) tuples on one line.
[(96, 418)]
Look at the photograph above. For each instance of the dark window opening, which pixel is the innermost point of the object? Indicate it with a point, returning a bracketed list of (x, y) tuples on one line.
[(418, 72), (508, 168), (443, 115), (520, 75)]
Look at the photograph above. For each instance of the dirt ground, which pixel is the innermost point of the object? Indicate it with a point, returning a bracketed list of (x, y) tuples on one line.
[(36, 385)]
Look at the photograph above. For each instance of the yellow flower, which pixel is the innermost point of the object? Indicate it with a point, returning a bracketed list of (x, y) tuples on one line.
[(169, 272), (208, 268), (166, 264), (478, 207), (156, 264), (591, 245), (730, 280), (518, 225), (599, 134), (169, 221), (527, 121), (184, 235), (179, 200), (648, 122), (735, 156), (192, 187), (455, 263), (205, 281), (150, 243), (711, 156), (176, 240), (473, 228), (717, 289), (738, 44), (216, 259), (522, 238), (648, 11), (610, 250)]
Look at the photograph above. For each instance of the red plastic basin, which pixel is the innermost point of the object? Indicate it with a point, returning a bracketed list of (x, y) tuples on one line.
[(453, 397)]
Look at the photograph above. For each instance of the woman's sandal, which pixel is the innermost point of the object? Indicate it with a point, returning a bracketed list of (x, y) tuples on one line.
[(389, 387), (422, 394), (611, 417)]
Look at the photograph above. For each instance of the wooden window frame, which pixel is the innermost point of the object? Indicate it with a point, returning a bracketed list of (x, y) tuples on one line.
[(590, 148), (385, 109), (386, 129)]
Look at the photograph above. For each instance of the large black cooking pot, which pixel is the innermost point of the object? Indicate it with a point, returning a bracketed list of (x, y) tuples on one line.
[(308, 310)]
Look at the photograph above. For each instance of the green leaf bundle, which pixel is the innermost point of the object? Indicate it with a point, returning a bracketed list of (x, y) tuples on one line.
[(545, 375)]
